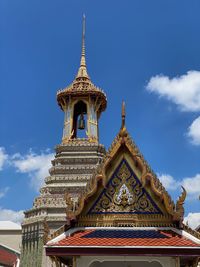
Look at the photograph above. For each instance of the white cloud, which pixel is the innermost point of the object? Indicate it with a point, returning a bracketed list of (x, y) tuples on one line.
[(3, 157), (4, 191), (11, 215), (36, 166), (194, 131), (168, 181), (191, 184), (193, 220), (183, 90)]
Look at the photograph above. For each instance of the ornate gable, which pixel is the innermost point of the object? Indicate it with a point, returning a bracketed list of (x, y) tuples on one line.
[(124, 191), (124, 194)]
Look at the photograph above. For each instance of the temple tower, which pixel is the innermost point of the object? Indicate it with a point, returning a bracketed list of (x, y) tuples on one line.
[(76, 159), (82, 103)]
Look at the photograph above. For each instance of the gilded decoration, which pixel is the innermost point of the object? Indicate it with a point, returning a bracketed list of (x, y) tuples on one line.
[(124, 193), (121, 198), (82, 85)]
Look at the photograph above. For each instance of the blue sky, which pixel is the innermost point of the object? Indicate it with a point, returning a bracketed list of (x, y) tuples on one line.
[(143, 52)]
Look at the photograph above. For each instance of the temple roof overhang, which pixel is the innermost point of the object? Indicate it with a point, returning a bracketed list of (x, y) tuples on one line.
[(81, 88), (123, 241), (8, 256)]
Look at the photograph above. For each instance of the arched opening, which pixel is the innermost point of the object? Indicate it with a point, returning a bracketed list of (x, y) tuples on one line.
[(126, 264), (80, 120)]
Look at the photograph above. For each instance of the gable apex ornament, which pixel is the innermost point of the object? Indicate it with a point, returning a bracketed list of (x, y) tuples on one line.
[(123, 115)]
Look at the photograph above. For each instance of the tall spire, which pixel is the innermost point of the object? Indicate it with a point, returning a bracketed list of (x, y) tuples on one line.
[(83, 63), (82, 72)]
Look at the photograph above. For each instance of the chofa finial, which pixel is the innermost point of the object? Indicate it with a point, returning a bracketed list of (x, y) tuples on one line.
[(123, 115), (179, 205)]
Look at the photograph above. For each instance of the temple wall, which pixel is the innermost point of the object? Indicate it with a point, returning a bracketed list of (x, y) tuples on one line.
[(11, 238), (126, 261)]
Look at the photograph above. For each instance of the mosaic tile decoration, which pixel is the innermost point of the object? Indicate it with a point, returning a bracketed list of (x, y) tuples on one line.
[(124, 194)]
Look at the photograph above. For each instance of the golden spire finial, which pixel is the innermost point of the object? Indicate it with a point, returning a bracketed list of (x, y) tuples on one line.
[(123, 115), (123, 132), (82, 72), (83, 44)]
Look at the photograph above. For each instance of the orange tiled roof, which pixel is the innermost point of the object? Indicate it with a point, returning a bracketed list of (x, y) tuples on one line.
[(7, 257), (135, 238)]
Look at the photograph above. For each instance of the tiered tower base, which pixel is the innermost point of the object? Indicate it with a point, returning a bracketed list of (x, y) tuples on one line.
[(72, 167)]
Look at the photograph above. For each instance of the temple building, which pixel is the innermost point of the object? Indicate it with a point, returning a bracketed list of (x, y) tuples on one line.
[(10, 243), (103, 208)]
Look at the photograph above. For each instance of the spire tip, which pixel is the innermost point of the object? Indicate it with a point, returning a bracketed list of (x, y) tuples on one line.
[(82, 72), (83, 33), (123, 114)]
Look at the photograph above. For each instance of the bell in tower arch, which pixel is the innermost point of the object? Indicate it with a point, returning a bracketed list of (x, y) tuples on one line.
[(81, 122)]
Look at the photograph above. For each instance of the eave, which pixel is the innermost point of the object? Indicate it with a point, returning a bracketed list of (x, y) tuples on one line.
[(123, 251)]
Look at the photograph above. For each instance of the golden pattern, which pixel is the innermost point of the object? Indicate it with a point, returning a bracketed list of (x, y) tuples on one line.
[(124, 194)]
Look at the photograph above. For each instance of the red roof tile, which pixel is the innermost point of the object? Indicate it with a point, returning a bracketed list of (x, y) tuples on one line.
[(167, 238), (7, 257)]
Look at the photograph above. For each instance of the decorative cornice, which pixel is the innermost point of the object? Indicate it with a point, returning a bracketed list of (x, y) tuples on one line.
[(80, 145), (40, 219), (66, 178), (76, 159), (72, 170), (155, 220)]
